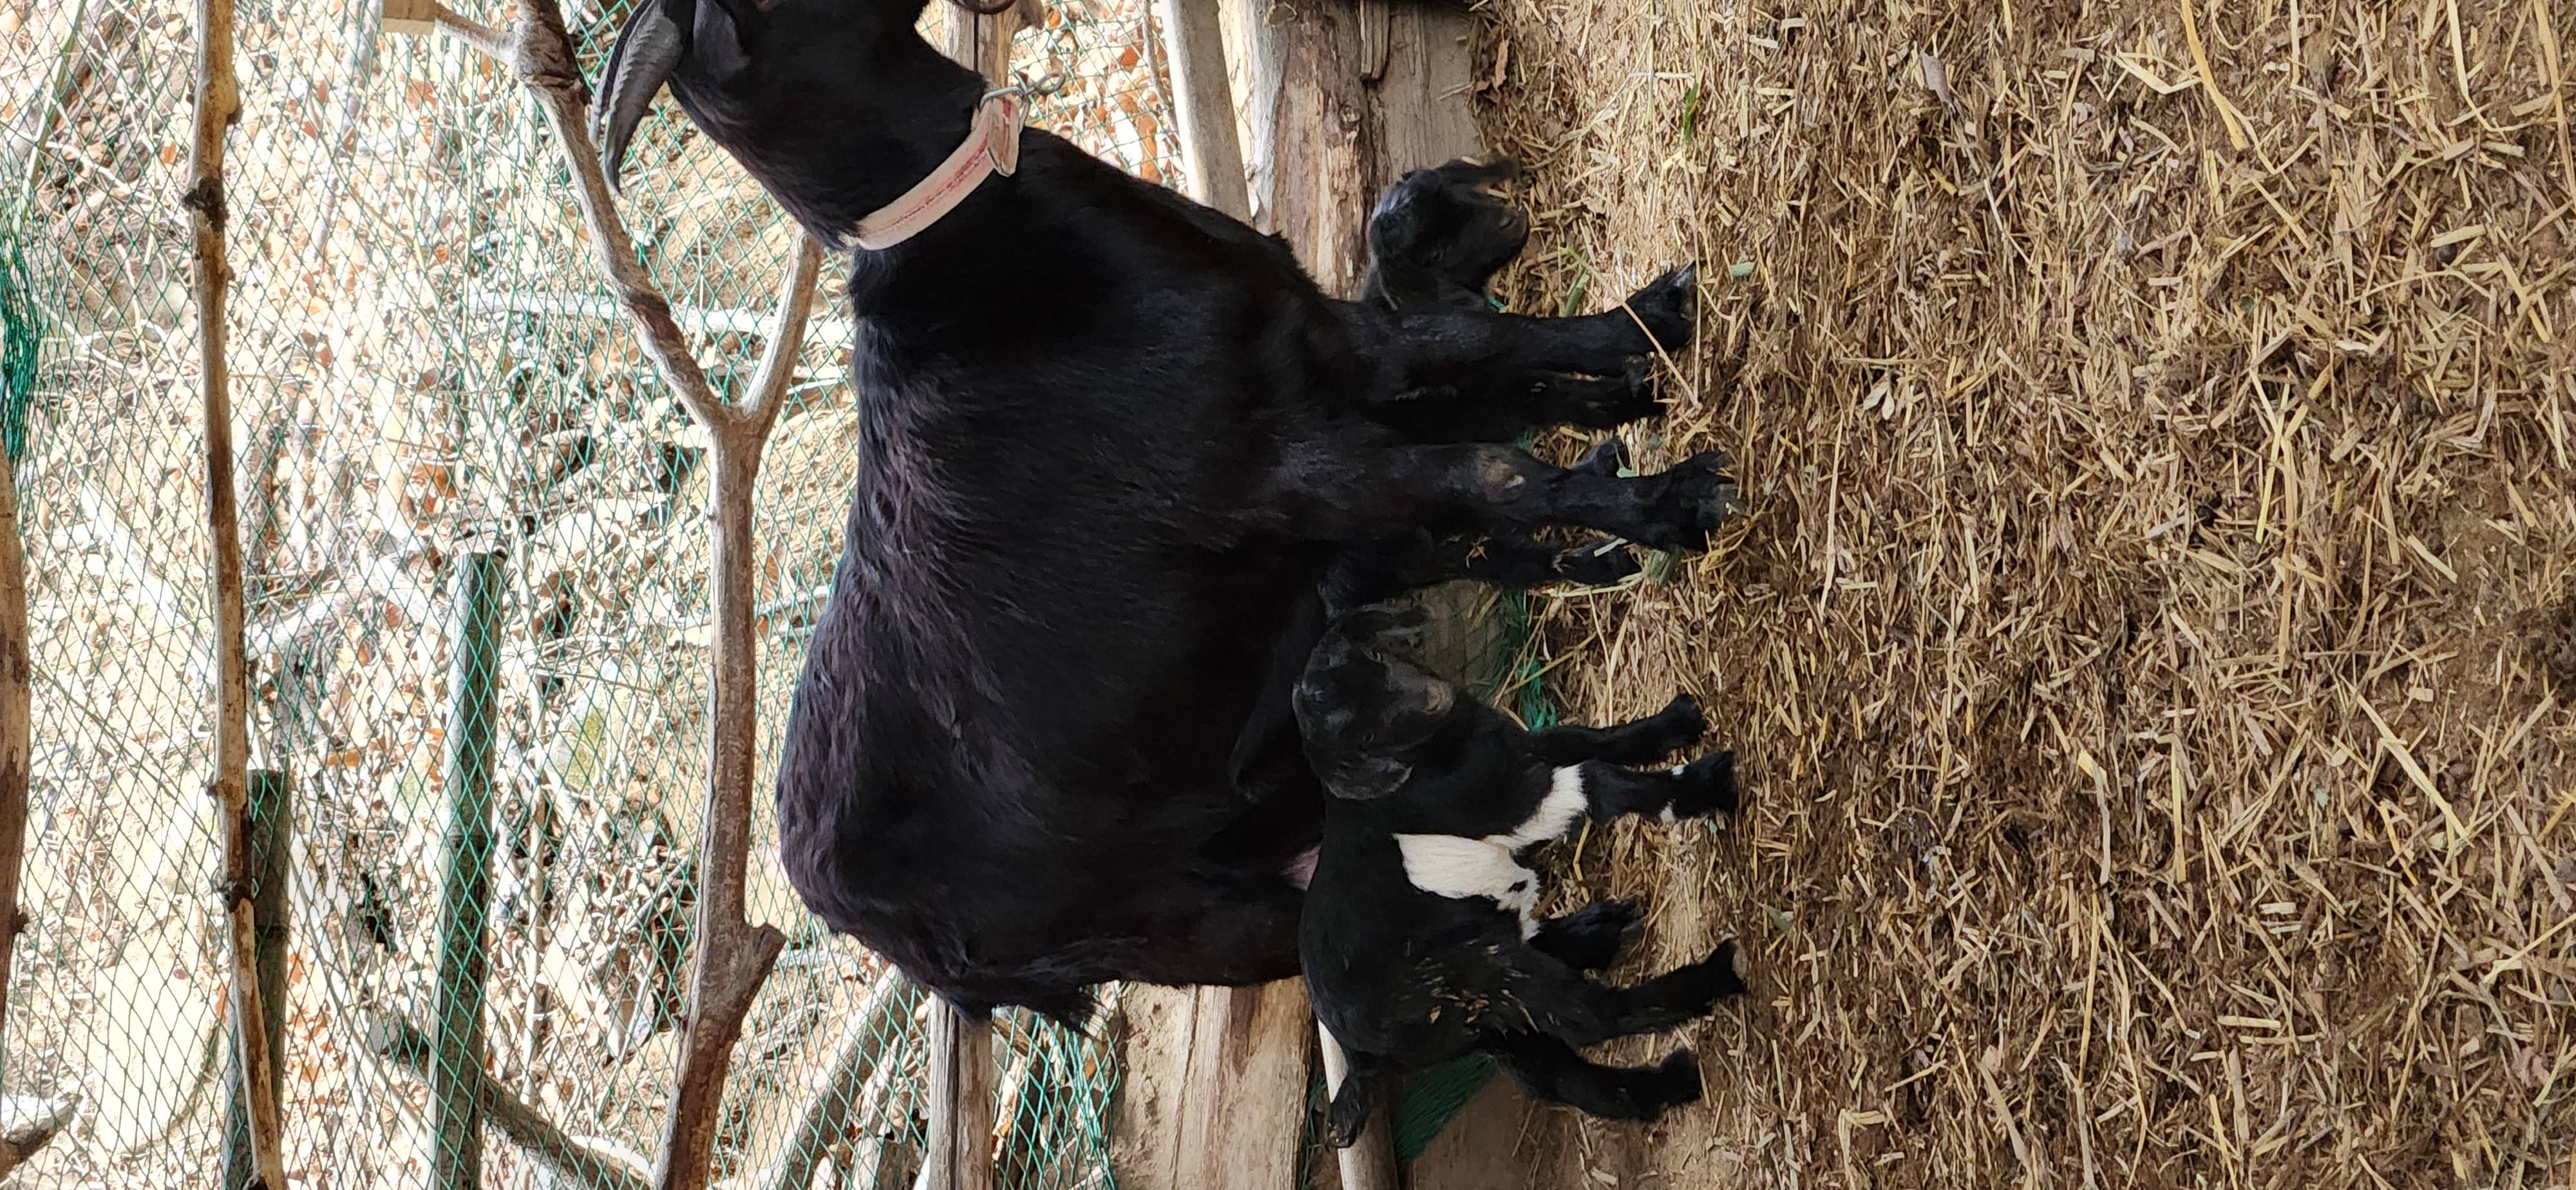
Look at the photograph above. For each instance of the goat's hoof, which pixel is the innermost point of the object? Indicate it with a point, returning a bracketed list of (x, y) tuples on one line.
[(1666, 305), (1708, 787), (1698, 496), (1682, 722), (1605, 459), (1725, 966), (1597, 564), (1636, 396), (1342, 1127), (1676, 1082), (1592, 937)]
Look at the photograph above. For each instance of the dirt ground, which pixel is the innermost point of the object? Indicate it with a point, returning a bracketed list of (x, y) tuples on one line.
[(2149, 639)]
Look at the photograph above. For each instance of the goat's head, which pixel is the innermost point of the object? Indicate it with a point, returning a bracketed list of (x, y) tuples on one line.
[(1447, 221), (776, 82), (1363, 705)]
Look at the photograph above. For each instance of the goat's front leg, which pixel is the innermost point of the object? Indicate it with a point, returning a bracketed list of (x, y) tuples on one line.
[(1641, 741), (1437, 349), (1703, 787), (1500, 490), (1549, 1070)]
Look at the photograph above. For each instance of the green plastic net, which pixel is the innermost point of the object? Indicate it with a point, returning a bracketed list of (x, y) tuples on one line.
[(478, 621)]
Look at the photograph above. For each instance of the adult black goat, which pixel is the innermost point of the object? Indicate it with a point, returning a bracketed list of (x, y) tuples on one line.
[(1109, 441), (1420, 939)]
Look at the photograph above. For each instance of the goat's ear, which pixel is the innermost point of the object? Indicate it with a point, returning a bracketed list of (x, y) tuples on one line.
[(649, 48), (1386, 623)]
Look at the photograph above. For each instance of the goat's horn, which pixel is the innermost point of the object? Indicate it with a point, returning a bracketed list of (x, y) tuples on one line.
[(648, 49)]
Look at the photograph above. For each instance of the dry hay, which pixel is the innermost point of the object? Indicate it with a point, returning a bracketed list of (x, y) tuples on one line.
[(2150, 636)]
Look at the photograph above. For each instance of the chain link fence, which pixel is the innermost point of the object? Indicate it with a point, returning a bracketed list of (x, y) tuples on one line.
[(431, 383)]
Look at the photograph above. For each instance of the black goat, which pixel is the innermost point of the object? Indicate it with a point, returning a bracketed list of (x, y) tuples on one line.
[(1420, 940), (1110, 441)]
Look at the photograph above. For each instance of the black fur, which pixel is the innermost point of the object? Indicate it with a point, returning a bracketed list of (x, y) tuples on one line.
[(1109, 442), (1405, 977)]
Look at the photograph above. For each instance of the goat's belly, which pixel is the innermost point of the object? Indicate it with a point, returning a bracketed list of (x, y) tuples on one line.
[(1459, 867)]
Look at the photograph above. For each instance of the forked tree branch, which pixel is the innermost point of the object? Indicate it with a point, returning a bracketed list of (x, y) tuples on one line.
[(732, 957), (22, 1138), (218, 106), (402, 1043)]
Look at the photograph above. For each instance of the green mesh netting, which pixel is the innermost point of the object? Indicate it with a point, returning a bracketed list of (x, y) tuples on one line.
[(22, 333), (478, 620)]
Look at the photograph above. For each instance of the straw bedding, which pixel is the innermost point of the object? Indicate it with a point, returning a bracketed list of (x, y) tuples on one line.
[(2151, 635)]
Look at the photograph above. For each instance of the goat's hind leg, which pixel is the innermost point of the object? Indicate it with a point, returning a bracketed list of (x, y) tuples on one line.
[(1550, 1070), (1514, 404), (1554, 998), (1590, 938), (1363, 1087)]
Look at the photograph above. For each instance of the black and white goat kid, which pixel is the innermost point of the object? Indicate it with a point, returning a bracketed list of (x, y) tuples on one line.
[(1421, 941)]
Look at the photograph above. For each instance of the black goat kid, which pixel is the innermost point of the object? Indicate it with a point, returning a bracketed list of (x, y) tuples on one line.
[(1436, 238), (1420, 940), (1110, 442)]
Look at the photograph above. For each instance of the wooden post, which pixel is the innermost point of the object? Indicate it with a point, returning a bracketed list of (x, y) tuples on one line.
[(1358, 94), (218, 106), (16, 674), (271, 831), (1209, 149), (960, 1141), (1244, 1078), (732, 956), (464, 895), (983, 41), (1369, 1162)]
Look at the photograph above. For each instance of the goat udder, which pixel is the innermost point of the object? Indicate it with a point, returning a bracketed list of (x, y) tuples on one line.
[(1301, 870)]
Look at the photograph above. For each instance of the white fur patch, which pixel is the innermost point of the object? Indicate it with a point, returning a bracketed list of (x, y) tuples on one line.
[(1565, 802), (1457, 866)]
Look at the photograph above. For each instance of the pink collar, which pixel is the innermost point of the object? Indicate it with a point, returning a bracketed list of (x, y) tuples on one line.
[(991, 146)]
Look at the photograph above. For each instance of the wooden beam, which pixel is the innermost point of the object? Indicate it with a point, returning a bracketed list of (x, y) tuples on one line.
[(1244, 1079), (16, 675), (984, 41), (1368, 92), (959, 1144), (1195, 39)]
